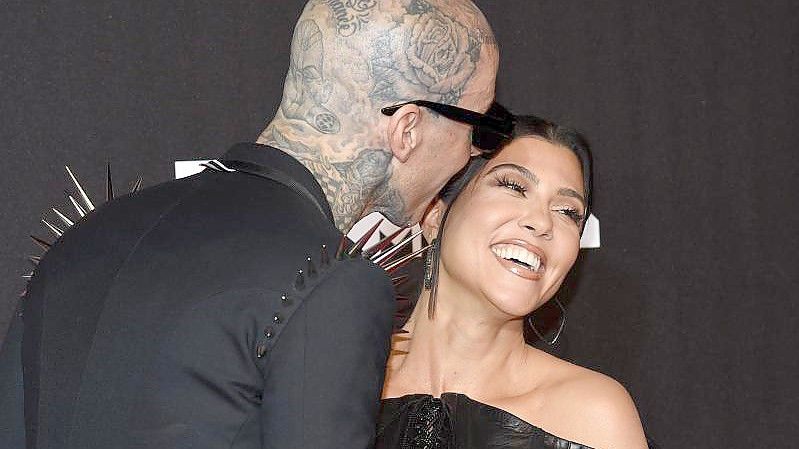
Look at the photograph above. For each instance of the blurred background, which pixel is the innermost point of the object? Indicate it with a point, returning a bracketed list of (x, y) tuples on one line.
[(691, 301)]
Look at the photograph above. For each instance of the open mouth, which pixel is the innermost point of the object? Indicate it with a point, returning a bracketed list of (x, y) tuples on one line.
[(519, 260)]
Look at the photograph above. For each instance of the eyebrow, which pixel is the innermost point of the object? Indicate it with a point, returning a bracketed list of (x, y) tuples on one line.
[(572, 193), (564, 191), (517, 168)]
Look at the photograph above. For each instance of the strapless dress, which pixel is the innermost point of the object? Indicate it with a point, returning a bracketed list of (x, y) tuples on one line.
[(455, 421)]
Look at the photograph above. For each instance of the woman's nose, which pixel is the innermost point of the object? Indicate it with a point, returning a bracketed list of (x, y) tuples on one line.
[(538, 221)]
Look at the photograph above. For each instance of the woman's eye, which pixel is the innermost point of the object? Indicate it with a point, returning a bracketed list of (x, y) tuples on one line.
[(571, 213), (511, 184)]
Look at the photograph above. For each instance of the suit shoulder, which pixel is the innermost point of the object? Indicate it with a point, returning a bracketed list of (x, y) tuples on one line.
[(359, 278)]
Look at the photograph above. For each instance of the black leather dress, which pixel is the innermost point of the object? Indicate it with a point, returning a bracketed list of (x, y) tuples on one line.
[(454, 421)]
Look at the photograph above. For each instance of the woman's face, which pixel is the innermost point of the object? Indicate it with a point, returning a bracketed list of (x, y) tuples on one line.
[(513, 233)]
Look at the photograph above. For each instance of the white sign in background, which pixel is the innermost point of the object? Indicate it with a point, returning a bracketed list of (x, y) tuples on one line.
[(590, 238)]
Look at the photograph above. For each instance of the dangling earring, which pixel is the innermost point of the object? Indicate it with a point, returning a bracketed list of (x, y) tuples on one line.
[(429, 260), (560, 328)]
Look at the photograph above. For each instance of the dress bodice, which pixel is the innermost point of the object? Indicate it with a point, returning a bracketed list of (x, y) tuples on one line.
[(455, 421)]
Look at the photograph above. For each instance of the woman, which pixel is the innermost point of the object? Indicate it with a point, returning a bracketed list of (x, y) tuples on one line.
[(507, 232)]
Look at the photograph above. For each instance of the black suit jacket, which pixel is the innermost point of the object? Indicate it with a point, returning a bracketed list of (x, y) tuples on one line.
[(171, 319)]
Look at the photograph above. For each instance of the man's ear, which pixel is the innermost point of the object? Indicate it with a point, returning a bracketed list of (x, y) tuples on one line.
[(431, 220), (403, 131)]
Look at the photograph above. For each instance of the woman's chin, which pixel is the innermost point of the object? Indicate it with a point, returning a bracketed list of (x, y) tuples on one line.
[(515, 303)]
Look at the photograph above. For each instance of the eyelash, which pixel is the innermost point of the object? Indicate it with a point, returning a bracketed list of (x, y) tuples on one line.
[(572, 213), (504, 181), (569, 212)]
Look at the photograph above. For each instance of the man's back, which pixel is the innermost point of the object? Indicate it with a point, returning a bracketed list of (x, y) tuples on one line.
[(171, 318), (159, 321)]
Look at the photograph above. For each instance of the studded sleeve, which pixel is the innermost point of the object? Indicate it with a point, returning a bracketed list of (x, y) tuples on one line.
[(324, 372)]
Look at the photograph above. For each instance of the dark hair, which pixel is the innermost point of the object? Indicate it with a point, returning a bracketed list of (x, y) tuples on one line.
[(531, 126), (526, 126)]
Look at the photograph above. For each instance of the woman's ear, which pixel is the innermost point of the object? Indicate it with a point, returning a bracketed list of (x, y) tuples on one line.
[(431, 221), (403, 131)]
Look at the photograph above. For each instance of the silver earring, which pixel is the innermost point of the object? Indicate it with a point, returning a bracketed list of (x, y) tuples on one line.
[(429, 260), (560, 327)]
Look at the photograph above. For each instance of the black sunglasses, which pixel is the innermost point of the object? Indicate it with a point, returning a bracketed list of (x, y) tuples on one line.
[(490, 132)]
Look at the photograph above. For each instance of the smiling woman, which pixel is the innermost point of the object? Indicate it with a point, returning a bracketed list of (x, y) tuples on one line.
[(506, 233)]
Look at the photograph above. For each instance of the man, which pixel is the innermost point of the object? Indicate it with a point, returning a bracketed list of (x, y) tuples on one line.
[(176, 317)]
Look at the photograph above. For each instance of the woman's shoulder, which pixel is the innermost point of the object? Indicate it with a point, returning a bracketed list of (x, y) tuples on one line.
[(584, 405)]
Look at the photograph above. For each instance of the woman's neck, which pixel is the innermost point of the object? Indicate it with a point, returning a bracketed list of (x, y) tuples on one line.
[(467, 346)]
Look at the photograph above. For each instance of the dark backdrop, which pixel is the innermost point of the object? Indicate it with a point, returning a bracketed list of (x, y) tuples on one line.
[(691, 300)]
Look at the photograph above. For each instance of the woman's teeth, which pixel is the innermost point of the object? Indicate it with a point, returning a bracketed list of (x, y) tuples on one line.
[(519, 255)]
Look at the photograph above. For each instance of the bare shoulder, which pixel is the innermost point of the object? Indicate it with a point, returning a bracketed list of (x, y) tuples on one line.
[(587, 407)]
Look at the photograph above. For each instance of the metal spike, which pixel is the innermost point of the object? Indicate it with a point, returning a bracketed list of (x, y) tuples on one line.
[(386, 242), (27, 276), (324, 257), (63, 217), (365, 238), (43, 243), (136, 185), (299, 282), (394, 265), (35, 259), (399, 280), (393, 250), (311, 267), (55, 230), (341, 247), (81, 211), (260, 350), (109, 186), (82, 192)]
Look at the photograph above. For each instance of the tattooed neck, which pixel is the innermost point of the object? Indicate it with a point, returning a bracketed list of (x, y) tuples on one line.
[(350, 58), (353, 187)]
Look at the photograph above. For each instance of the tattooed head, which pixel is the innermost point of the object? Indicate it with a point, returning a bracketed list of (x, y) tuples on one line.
[(349, 59)]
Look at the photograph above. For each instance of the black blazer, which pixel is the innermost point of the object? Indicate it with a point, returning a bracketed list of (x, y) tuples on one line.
[(170, 319)]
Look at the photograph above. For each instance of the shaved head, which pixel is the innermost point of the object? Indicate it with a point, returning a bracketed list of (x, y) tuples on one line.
[(349, 59)]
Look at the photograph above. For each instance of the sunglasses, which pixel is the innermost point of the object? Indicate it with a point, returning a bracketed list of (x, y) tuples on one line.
[(490, 131)]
